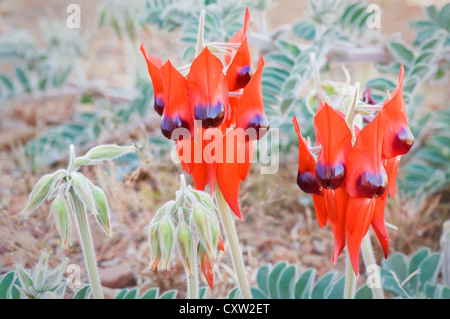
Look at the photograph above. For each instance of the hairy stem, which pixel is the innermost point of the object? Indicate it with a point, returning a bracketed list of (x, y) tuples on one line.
[(88, 247), (369, 259), (192, 282), (233, 241), (350, 278)]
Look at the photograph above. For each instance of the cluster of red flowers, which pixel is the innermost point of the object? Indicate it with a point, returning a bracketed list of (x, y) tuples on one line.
[(354, 172), (206, 108)]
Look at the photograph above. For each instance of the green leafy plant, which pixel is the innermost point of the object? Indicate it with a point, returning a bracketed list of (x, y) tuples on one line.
[(283, 281), (41, 282), (74, 194), (151, 293), (414, 276)]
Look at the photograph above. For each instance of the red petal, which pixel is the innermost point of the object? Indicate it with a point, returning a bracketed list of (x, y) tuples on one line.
[(190, 153), (220, 244), (391, 170), (249, 111), (177, 113), (378, 223), (359, 215), (239, 71), (398, 139), (336, 202), (306, 176), (207, 267), (207, 90), (366, 175), (236, 158), (154, 64), (334, 136), (321, 209), (239, 36)]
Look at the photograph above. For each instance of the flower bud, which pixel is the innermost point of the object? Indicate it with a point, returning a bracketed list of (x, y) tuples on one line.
[(184, 237), (155, 249), (207, 267), (41, 191), (108, 152), (83, 189), (201, 224), (101, 203), (166, 231), (214, 228), (60, 209)]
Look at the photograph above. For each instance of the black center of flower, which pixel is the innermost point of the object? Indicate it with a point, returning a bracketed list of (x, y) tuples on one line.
[(211, 115), (403, 141), (243, 76), (159, 104), (372, 184), (330, 176), (170, 123), (308, 183), (257, 127)]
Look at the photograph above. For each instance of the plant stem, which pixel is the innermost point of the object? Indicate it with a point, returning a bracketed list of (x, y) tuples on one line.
[(88, 247), (369, 259), (233, 241), (350, 278), (192, 282)]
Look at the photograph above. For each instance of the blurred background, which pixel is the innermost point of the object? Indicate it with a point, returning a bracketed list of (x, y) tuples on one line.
[(86, 84)]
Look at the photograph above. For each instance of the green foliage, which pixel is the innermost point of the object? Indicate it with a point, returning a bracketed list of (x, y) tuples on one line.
[(85, 128), (152, 293), (222, 19), (415, 276), (427, 169), (38, 68), (283, 281), (41, 282), (436, 20)]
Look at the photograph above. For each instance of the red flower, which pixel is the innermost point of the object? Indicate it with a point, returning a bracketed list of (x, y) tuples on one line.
[(177, 113), (207, 90), (154, 65), (350, 183), (239, 70), (215, 134)]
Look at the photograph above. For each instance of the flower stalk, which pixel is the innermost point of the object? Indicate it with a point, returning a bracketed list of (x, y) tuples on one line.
[(88, 247), (233, 241), (369, 259)]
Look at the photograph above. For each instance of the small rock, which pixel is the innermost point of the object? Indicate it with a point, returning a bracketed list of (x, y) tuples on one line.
[(116, 277)]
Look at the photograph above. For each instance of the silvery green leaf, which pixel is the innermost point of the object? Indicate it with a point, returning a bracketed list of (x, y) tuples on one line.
[(83, 293), (6, 281), (55, 277), (24, 277), (83, 160), (108, 152), (49, 295), (40, 271)]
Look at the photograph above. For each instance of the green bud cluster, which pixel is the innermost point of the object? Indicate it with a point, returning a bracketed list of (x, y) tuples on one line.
[(189, 223), (62, 186)]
